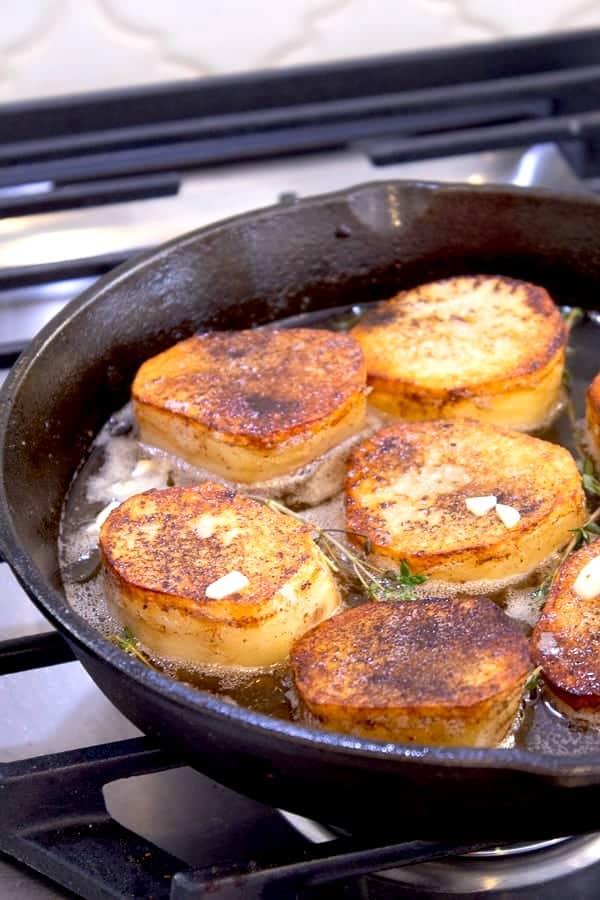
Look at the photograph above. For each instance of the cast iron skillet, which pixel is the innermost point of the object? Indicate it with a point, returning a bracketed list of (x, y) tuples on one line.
[(361, 244)]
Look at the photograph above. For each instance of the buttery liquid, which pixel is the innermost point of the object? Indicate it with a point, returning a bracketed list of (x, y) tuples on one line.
[(110, 473)]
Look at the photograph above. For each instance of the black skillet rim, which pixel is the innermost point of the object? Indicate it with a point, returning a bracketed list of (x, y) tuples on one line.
[(78, 631)]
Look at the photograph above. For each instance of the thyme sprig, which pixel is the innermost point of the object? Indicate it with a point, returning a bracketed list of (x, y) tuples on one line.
[(591, 483), (379, 584), (582, 535), (572, 315), (540, 594), (533, 681), (570, 406), (585, 534), (126, 641), (389, 585)]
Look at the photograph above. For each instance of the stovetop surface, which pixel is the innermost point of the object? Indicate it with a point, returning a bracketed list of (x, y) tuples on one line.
[(209, 197)]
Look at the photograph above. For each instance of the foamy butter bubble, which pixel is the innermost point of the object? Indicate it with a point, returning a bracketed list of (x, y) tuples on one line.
[(120, 457)]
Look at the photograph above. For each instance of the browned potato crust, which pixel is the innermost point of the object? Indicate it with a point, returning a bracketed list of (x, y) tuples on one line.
[(481, 347), (436, 671), (407, 487), (252, 405), (163, 549), (566, 638)]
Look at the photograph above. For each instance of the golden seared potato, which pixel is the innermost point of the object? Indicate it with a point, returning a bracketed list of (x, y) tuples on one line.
[(436, 671), (252, 405), (592, 415), (461, 501), (203, 575), (566, 639), (477, 347)]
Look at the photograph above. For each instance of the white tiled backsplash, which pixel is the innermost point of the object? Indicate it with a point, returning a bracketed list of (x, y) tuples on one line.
[(63, 46)]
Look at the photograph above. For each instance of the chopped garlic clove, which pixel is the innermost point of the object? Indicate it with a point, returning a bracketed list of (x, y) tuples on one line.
[(103, 516), (548, 644), (508, 515), (228, 584), (479, 506), (145, 467), (122, 490), (206, 526), (587, 583)]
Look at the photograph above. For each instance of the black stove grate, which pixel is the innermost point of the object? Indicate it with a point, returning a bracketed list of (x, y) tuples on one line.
[(114, 146), (54, 820), (418, 104)]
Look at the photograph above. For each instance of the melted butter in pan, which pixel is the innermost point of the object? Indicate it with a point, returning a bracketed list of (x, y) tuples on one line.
[(114, 457)]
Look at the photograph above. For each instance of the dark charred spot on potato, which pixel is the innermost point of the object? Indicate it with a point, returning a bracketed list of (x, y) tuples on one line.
[(458, 393), (235, 352), (263, 403), (405, 451)]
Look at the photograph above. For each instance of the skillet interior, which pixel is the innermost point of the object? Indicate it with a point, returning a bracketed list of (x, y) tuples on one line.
[(251, 270)]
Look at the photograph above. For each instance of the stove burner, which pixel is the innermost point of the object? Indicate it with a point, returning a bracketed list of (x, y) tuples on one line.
[(484, 872)]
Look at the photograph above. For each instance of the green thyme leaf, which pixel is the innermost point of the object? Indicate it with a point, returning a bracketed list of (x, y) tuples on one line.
[(591, 484), (540, 594), (406, 578), (377, 583), (585, 534), (581, 537), (127, 642), (572, 315), (533, 681)]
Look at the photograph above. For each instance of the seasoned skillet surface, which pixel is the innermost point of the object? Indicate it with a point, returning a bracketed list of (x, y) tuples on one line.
[(248, 271)]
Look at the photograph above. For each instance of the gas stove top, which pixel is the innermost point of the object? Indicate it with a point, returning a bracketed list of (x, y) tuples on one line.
[(82, 187)]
